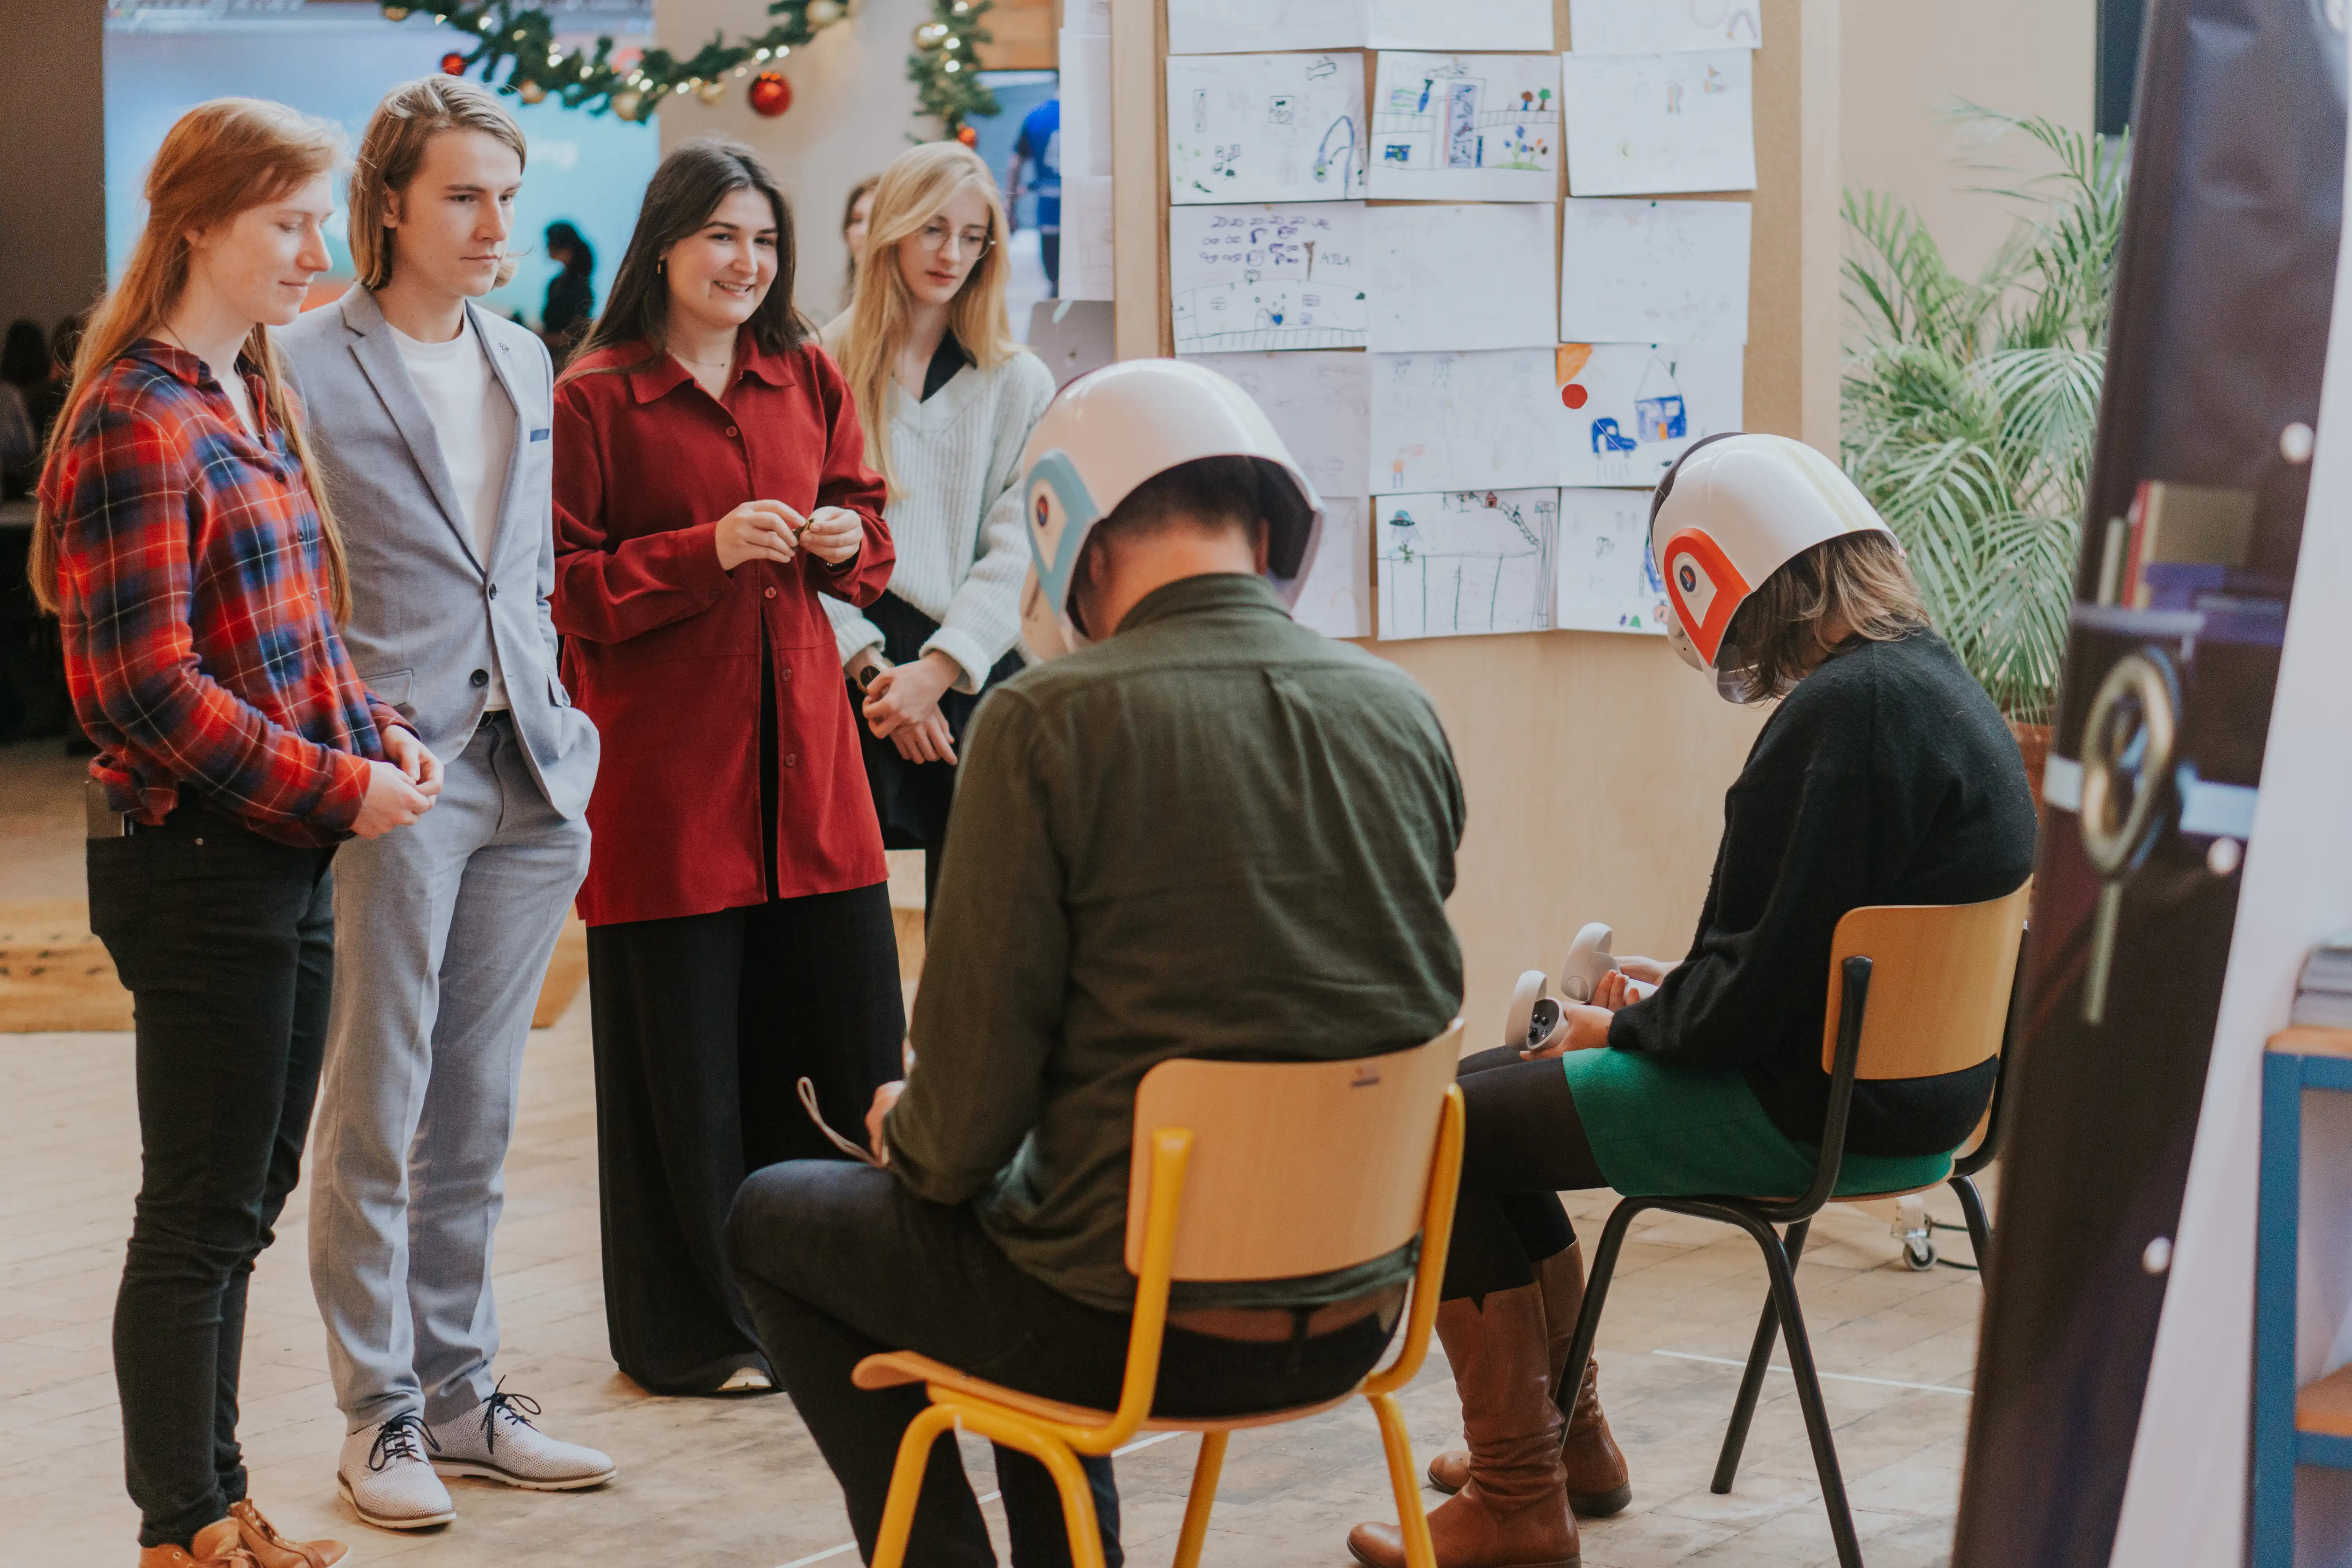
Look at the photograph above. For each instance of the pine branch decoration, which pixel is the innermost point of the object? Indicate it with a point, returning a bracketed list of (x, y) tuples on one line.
[(516, 52), (945, 66)]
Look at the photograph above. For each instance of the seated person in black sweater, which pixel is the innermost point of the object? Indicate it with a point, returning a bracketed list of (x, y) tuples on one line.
[(1885, 776)]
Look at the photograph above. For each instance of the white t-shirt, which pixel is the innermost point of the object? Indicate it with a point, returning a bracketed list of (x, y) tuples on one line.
[(475, 426)]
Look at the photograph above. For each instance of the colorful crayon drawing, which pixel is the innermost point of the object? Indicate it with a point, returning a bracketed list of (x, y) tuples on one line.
[(1465, 127), (1606, 581), (1635, 407), (1268, 276)]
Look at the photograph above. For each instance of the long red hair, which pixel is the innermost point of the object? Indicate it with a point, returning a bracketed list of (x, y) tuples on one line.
[(221, 158)]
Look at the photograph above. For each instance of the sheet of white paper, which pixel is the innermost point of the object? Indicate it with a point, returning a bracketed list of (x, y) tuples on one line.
[(1086, 103), (1464, 421), (1265, 128), (1336, 597), (1459, 25), (1249, 26), (1606, 583), (1646, 125), (1632, 408), (1085, 238), (1480, 127), (1465, 563), (1268, 276), (1321, 405), (1645, 271), (1086, 16), (1474, 277), (1652, 26)]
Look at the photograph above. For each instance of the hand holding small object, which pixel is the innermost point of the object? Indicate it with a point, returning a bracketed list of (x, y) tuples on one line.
[(832, 534), (409, 754), (902, 706), (1582, 1028), (885, 1098), (758, 530)]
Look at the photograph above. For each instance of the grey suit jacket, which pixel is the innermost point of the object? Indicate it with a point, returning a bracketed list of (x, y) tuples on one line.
[(427, 614)]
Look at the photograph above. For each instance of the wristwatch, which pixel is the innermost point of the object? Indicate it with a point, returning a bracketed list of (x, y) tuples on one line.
[(866, 674)]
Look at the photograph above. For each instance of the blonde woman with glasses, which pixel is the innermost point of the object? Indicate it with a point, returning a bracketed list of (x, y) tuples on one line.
[(947, 399)]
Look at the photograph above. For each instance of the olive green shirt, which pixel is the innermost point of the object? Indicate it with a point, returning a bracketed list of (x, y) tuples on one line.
[(1217, 835)]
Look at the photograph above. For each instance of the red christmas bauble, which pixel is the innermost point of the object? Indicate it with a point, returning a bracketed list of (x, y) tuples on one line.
[(771, 94), (967, 135), (453, 64)]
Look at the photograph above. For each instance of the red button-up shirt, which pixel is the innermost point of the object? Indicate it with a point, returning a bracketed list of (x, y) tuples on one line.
[(200, 643), (662, 647)]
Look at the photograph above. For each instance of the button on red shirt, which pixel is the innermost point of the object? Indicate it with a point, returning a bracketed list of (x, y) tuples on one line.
[(662, 649)]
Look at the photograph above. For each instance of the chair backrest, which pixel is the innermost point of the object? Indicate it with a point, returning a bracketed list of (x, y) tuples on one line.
[(1297, 1167), (1940, 977)]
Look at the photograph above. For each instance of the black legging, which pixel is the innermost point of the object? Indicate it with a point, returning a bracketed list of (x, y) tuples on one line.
[(1524, 1146)]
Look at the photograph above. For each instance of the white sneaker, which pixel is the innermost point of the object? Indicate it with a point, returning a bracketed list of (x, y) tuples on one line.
[(387, 1478), (497, 1442)]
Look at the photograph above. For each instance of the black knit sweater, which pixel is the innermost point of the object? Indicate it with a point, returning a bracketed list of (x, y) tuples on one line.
[(1886, 777)]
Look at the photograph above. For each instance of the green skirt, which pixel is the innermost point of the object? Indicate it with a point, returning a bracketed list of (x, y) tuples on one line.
[(1661, 1129)]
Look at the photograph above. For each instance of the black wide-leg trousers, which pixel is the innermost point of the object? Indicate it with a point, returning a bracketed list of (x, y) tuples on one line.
[(703, 1024)]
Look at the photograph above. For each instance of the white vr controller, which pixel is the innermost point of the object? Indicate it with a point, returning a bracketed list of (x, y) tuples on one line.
[(1537, 1019)]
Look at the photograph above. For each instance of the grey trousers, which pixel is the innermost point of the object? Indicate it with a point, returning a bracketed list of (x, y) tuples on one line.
[(443, 931)]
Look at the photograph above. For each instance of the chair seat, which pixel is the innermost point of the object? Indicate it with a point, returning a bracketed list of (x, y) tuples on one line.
[(898, 1368)]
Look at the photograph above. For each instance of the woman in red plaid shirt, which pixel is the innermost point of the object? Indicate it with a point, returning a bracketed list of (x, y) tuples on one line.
[(197, 570)]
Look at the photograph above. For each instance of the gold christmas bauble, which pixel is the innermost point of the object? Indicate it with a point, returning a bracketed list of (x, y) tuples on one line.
[(711, 91), (627, 103), (395, 12), (823, 13), (530, 92), (929, 35)]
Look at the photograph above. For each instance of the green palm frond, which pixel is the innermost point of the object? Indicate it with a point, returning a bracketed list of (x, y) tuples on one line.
[(1968, 407)]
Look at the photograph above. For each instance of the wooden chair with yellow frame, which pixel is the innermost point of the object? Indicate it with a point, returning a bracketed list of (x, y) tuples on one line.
[(1240, 1170), (1915, 991)]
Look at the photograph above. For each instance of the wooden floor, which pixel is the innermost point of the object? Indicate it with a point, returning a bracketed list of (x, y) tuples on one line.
[(738, 1484)]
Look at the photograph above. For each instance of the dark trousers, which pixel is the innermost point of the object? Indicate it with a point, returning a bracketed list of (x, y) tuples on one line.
[(1523, 1145), (226, 941), (703, 1024), (839, 1262)]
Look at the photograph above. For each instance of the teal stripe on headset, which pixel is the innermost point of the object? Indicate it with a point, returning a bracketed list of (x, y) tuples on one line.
[(1057, 473)]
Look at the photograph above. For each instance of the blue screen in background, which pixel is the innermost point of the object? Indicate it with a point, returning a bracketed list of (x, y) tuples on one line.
[(588, 169)]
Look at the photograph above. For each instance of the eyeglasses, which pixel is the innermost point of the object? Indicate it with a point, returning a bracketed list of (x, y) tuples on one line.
[(935, 236)]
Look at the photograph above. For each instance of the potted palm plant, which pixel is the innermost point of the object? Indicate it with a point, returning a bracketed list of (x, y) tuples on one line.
[(1968, 407)]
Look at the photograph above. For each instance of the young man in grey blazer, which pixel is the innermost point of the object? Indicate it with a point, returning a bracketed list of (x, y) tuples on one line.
[(432, 420)]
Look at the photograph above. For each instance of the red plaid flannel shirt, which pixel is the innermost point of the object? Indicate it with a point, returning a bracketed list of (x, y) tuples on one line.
[(199, 631)]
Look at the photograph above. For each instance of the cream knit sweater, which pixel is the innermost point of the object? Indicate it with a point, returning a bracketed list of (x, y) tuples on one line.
[(956, 517)]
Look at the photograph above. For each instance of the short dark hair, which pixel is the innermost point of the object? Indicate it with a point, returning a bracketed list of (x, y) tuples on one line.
[(1208, 493)]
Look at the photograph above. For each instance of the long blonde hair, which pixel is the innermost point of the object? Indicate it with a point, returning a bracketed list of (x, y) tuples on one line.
[(391, 149), (916, 185), (221, 158)]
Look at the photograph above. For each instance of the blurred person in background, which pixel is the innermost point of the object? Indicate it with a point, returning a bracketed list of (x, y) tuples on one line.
[(571, 293), (856, 214)]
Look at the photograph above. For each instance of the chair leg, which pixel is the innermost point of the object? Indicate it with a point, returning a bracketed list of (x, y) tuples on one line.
[(1972, 1209), (1596, 1293), (1404, 1481), (1778, 1264), (1751, 1382), (1205, 1470), (907, 1484)]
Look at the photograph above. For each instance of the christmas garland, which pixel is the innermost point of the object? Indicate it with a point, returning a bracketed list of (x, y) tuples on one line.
[(945, 66), (520, 41)]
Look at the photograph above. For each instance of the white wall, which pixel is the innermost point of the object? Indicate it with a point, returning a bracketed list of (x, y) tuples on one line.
[(1907, 62), (853, 112)]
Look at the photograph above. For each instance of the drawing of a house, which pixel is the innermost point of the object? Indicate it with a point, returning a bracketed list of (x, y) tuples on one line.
[(1658, 410)]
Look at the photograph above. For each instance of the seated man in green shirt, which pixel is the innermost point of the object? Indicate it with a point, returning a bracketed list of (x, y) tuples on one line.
[(1210, 833)]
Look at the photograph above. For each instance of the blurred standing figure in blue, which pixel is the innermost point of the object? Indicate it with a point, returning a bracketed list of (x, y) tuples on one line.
[(1040, 148)]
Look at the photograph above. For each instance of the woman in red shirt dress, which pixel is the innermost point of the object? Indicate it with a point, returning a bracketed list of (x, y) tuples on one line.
[(709, 484)]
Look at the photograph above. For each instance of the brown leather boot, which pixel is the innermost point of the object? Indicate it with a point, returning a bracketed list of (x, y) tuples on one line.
[(1512, 1511), (272, 1549), (1598, 1485), (217, 1545)]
